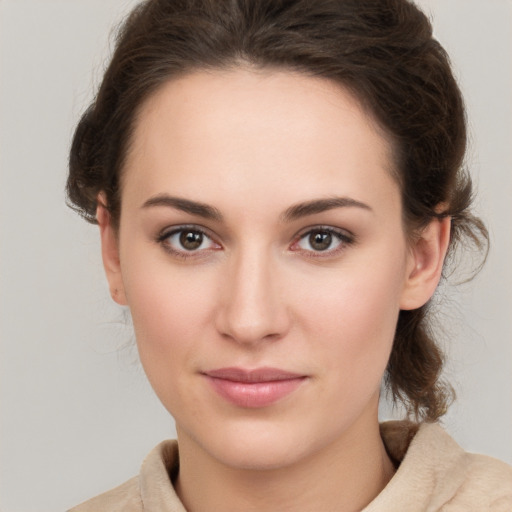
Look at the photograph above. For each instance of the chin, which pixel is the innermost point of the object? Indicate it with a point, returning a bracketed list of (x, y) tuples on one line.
[(259, 445), (259, 455)]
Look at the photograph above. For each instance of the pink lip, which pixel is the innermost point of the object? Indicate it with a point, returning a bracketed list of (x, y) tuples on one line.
[(253, 388)]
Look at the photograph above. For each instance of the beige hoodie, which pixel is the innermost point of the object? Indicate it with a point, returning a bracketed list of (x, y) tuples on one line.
[(434, 474)]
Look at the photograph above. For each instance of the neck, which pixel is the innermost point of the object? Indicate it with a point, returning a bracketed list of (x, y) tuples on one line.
[(344, 476)]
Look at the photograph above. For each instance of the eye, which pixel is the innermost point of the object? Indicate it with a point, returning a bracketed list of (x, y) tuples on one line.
[(187, 241), (322, 240)]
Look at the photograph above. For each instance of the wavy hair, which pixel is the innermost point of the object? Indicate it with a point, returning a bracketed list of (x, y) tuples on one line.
[(382, 51)]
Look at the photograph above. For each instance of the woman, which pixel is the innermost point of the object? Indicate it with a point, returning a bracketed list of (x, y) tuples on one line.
[(277, 185)]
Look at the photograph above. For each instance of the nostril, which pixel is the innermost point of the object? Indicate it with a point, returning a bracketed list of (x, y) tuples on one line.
[(250, 328)]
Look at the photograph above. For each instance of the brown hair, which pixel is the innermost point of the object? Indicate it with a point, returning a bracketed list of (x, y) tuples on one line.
[(381, 50)]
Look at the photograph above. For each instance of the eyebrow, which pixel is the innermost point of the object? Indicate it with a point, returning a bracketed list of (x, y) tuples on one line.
[(185, 205), (294, 212), (321, 205)]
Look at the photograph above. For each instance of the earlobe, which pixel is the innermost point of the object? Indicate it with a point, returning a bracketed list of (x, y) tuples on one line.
[(426, 263), (110, 252)]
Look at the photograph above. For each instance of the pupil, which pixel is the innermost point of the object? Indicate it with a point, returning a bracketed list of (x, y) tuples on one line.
[(320, 241), (191, 240)]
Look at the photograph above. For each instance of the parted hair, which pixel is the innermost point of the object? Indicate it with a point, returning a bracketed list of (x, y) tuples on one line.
[(383, 51)]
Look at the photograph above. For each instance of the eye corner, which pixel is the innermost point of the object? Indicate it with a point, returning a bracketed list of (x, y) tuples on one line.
[(172, 241), (323, 246)]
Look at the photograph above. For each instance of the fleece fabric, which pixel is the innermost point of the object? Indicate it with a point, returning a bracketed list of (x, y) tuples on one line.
[(434, 474)]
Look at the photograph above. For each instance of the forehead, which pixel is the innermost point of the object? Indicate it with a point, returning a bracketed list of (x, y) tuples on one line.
[(249, 130)]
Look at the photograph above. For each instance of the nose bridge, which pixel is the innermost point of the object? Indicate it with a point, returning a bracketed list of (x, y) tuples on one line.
[(253, 309)]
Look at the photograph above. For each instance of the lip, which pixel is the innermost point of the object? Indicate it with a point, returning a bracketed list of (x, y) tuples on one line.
[(256, 388)]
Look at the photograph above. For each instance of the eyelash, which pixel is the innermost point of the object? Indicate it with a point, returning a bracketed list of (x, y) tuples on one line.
[(163, 240), (344, 240)]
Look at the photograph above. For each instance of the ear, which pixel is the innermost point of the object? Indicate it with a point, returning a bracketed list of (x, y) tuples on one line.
[(425, 263), (110, 252)]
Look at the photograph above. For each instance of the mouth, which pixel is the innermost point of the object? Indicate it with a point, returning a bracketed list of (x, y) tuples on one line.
[(256, 388)]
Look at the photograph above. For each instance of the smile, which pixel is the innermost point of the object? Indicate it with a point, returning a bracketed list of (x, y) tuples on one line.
[(253, 388)]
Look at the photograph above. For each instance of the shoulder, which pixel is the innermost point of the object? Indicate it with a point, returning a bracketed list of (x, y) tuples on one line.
[(435, 471), (472, 478), (487, 480), (151, 490), (124, 498)]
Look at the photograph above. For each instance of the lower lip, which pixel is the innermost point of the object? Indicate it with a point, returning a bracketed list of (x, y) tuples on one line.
[(253, 395)]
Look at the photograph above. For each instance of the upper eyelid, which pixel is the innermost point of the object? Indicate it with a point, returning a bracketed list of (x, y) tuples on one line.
[(345, 241), (171, 230), (345, 238), (162, 239), (324, 227)]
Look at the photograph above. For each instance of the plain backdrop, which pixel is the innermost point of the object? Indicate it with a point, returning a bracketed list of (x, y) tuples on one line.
[(77, 416)]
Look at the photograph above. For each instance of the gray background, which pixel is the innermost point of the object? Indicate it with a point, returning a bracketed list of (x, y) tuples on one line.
[(77, 416)]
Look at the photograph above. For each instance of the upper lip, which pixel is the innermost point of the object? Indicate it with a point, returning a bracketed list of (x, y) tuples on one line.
[(265, 374)]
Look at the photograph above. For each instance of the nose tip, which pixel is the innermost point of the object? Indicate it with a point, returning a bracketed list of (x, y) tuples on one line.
[(253, 310), (250, 333)]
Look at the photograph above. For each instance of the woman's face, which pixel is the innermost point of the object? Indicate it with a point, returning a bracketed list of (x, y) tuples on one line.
[(263, 258)]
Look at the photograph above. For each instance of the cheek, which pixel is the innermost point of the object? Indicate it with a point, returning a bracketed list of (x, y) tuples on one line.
[(170, 310), (353, 316), (170, 316)]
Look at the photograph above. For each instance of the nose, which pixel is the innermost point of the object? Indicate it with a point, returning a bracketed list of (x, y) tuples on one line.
[(252, 306)]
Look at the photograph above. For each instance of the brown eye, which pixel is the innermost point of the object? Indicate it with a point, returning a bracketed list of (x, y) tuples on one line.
[(187, 242), (323, 241), (191, 240), (320, 240)]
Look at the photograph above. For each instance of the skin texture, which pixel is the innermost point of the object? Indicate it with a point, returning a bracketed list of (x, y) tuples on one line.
[(252, 145)]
